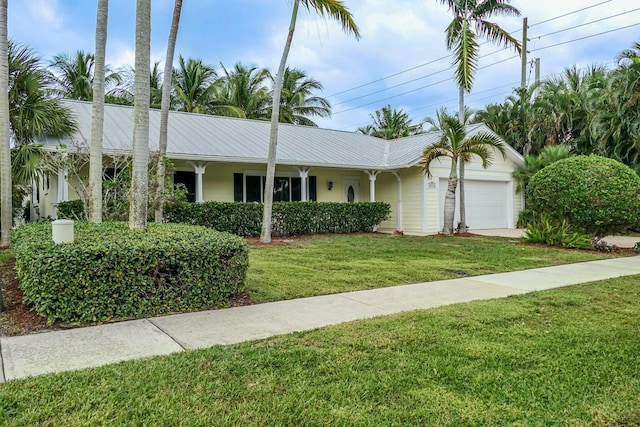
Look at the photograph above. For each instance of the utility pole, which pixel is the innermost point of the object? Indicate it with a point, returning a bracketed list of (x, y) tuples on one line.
[(525, 26)]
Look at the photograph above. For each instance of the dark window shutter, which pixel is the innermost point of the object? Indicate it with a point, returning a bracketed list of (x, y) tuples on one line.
[(313, 189), (238, 179)]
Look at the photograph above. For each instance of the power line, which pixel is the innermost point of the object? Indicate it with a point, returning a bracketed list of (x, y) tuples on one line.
[(391, 97), (587, 37), (416, 89), (413, 111), (569, 13), (448, 56), (483, 56), (586, 23), (391, 75), (471, 97), (410, 81), (442, 81)]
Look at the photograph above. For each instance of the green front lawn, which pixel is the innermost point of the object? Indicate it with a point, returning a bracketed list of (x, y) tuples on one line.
[(562, 357), (341, 263)]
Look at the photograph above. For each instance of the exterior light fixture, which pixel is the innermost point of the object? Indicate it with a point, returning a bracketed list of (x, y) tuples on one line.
[(330, 186)]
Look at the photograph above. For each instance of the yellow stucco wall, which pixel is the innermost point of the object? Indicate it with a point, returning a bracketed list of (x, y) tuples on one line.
[(217, 181), (387, 191)]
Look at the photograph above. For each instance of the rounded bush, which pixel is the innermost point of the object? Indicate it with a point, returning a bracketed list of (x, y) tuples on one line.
[(596, 195), (110, 271)]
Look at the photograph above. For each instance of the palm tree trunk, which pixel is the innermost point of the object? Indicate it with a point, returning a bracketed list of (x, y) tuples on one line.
[(265, 235), (164, 109), (463, 213), (6, 214), (97, 115), (449, 206), (6, 209), (450, 198), (139, 174)]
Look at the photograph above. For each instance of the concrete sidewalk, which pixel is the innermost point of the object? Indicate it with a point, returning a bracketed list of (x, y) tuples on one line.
[(57, 351)]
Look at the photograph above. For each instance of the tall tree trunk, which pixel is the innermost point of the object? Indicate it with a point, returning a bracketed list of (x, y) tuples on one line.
[(140, 172), (449, 206), (265, 236), (164, 110), (450, 198), (6, 215), (463, 213), (97, 115)]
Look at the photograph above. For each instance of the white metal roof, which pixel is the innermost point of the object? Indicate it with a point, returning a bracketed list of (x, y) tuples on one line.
[(201, 137)]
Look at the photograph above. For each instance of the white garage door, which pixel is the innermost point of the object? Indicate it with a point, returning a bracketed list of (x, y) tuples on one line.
[(487, 204)]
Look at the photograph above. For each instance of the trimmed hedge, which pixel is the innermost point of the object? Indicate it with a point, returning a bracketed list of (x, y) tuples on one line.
[(289, 218), (596, 195), (110, 271)]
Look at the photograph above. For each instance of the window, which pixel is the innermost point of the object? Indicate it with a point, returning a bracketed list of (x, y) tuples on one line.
[(254, 188), (188, 179), (250, 188)]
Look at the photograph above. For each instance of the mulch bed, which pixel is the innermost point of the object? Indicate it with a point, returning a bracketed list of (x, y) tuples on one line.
[(17, 318)]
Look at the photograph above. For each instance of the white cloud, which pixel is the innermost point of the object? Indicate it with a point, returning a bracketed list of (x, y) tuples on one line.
[(46, 12)]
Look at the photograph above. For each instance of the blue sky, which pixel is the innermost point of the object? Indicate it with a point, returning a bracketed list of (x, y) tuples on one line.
[(397, 35)]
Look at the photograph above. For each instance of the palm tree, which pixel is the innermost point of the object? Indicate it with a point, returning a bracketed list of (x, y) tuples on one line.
[(156, 80), (97, 115), (629, 57), (140, 161), (242, 92), (194, 84), (549, 154), (74, 76), (461, 38), (298, 102), (122, 94), (32, 112), (455, 144), (616, 124), (336, 10), (6, 211), (165, 105), (390, 123)]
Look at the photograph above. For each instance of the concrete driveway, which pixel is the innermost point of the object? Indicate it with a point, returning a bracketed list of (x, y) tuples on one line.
[(619, 241)]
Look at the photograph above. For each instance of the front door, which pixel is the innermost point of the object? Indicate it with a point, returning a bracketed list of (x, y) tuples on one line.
[(351, 190)]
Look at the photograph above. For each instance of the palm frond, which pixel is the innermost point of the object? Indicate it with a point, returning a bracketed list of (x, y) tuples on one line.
[(466, 58), (336, 10)]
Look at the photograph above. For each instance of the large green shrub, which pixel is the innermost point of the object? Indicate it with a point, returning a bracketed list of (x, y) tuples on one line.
[(289, 218), (596, 195), (110, 271)]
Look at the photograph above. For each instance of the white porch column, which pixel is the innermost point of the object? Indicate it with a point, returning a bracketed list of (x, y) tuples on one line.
[(399, 208), (304, 175), (34, 192), (372, 184), (199, 169), (63, 186)]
